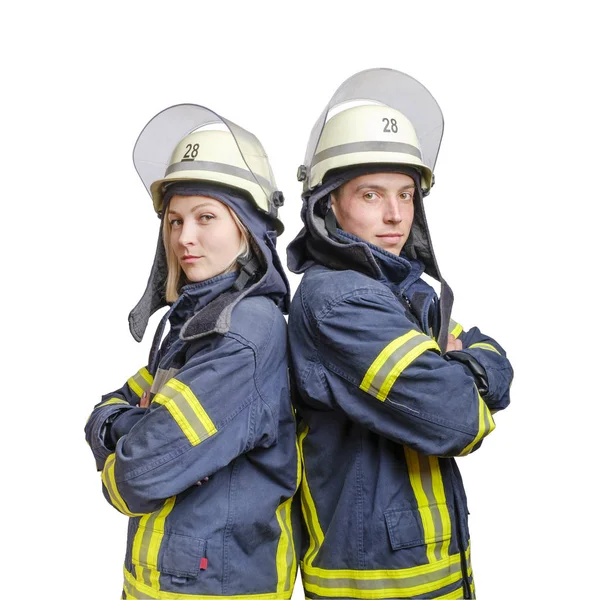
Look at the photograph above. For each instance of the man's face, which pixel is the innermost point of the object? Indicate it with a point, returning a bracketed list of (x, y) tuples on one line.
[(377, 208)]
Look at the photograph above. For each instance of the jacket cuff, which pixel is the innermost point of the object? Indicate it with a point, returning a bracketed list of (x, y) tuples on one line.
[(477, 371), (122, 424)]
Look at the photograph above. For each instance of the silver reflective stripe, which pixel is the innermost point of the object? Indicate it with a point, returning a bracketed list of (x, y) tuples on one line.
[(366, 147), (110, 485), (186, 410), (486, 422), (382, 583), (128, 590), (145, 545), (133, 591), (205, 165), (392, 361), (289, 551), (427, 483), (138, 383), (161, 377)]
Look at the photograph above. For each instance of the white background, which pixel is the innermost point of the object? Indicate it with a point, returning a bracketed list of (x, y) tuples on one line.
[(513, 217)]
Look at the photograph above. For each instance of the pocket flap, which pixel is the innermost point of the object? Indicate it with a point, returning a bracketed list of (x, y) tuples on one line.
[(404, 528), (181, 554)]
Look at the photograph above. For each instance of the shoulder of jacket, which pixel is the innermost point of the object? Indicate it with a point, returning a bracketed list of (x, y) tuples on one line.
[(255, 319), (321, 288)]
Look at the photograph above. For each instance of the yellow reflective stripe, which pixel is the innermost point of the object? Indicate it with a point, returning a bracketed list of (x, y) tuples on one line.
[(285, 559), (137, 545), (146, 545), (372, 574), (429, 344), (129, 591), (455, 328), (294, 566), (113, 401), (440, 498), (180, 419), (392, 360), (140, 382), (158, 531), (485, 346), (486, 425), (136, 548), (135, 388), (145, 374), (137, 589), (106, 403), (186, 410), (140, 548), (383, 356), (470, 570), (108, 479), (309, 511), (194, 403), (421, 482), (401, 583)]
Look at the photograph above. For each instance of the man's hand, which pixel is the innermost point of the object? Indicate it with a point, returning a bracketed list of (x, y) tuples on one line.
[(453, 343)]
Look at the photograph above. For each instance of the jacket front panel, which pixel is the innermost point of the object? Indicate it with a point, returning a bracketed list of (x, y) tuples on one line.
[(222, 412), (383, 413)]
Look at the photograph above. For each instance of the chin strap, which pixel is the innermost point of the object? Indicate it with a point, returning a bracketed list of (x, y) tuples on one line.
[(248, 269), (446, 301), (331, 223)]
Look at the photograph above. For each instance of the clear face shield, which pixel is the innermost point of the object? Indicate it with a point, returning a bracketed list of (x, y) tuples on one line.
[(390, 88), (156, 143)]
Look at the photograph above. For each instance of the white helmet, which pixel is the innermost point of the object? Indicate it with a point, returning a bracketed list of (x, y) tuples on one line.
[(397, 122), (181, 144), (367, 134)]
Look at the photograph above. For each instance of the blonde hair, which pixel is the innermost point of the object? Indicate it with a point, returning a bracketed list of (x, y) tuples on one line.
[(175, 275)]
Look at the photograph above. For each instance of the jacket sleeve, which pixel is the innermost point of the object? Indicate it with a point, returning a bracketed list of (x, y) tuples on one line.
[(110, 407), (196, 424), (389, 376), (492, 359)]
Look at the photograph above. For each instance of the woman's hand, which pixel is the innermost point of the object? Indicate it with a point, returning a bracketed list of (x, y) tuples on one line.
[(145, 400)]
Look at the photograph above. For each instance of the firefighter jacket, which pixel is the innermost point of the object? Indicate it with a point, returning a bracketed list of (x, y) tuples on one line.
[(382, 414), (220, 408)]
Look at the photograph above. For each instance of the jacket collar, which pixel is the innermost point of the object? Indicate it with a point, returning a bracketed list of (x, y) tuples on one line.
[(195, 296), (397, 272)]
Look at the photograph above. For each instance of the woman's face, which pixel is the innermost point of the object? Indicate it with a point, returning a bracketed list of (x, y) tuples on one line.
[(204, 236)]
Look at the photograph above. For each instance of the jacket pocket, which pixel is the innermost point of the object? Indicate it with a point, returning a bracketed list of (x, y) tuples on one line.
[(181, 555), (405, 529)]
